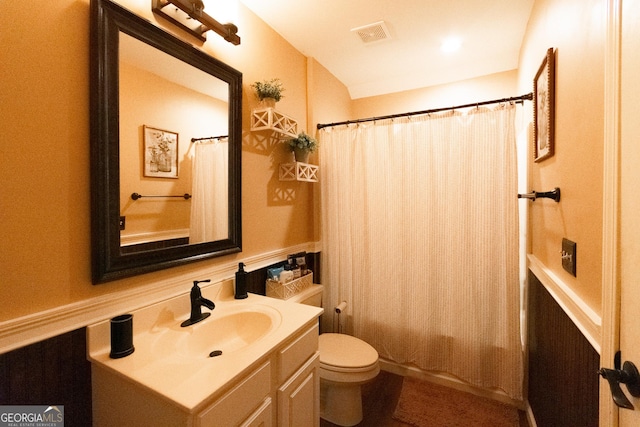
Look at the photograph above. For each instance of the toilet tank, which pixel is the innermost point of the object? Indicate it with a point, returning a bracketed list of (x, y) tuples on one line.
[(311, 295)]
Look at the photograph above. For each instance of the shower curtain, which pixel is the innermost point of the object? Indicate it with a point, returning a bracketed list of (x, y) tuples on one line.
[(209, 202), (420, 237)]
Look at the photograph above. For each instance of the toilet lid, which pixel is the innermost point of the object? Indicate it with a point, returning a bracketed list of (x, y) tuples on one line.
[(345, 351)]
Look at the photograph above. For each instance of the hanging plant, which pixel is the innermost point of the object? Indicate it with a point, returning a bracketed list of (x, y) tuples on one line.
[(269, 89)]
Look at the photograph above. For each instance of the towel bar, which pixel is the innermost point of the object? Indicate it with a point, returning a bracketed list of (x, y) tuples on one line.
[(554, 194), (136, 196)]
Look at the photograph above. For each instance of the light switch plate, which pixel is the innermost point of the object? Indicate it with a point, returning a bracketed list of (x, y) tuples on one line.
[(569, 256)]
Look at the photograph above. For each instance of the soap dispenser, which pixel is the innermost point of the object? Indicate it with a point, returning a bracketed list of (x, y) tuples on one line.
[(241, 282)]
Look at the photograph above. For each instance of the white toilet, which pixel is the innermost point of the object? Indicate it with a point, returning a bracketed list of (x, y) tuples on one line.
[(346, 363)]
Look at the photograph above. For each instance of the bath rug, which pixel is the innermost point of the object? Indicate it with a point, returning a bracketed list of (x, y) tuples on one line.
[(425, 404)]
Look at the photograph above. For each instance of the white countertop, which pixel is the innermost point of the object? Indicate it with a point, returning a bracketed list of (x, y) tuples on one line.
[(187, 380)]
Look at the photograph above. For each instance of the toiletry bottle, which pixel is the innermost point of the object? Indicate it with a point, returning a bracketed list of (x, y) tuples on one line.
[(301, 261), (241, 282), (286, 275)]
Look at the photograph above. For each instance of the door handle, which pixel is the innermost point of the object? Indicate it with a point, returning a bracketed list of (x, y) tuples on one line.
[(628, 376)]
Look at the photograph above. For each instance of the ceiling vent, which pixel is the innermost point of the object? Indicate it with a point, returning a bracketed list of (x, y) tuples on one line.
[(373, 32)]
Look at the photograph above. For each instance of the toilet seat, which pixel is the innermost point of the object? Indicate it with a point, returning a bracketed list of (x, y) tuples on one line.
[(345, 353)]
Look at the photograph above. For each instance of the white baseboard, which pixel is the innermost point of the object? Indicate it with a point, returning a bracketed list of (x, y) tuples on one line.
[(447, 380)]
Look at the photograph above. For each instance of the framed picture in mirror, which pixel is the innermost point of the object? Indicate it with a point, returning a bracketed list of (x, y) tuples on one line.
[(160, 153)]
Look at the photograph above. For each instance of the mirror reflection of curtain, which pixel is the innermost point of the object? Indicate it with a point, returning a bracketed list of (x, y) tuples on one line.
[(420, 237), (209, 214)]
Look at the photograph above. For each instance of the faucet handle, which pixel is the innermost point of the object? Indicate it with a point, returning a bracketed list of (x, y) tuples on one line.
[(196, 282)]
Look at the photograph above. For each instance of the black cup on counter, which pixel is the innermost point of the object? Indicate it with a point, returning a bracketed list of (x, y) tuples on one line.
[(121, 336)]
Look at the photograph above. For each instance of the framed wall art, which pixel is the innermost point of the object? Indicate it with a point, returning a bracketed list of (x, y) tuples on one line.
[(544, 108), (160, 153)]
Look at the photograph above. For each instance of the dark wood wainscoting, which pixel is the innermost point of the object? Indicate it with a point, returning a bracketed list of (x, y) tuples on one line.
[(50, 372), (563, 379)]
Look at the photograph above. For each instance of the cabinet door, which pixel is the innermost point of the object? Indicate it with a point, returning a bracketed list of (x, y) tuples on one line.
[(240, 402), (261, 417), (299, 397)]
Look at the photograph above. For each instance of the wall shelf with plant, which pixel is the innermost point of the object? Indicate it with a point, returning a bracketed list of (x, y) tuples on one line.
[(266, 116), (300, 170)]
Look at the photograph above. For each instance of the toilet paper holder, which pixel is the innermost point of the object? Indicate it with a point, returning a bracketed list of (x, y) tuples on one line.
[(340, 307)]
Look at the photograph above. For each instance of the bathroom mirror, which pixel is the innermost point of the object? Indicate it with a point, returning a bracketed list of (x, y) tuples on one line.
[(151, 94)]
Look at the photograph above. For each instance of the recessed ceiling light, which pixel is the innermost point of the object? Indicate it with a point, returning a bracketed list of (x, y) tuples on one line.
[(451, 45)]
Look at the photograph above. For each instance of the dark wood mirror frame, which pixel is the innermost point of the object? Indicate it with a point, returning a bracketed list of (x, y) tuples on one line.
[(108, 261)]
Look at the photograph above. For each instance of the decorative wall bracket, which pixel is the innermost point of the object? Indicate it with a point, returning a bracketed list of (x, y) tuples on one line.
[(271, 119), (298, 171)]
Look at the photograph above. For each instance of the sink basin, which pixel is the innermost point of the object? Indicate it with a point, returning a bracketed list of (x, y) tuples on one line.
[(224, 332)]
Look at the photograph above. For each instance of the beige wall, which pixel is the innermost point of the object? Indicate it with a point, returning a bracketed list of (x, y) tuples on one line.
[(494, 86), (329, 101), (45, 253), (576, 29), (45, 196)]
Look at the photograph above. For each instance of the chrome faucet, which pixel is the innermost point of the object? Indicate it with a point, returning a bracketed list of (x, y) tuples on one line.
[(197, 301)]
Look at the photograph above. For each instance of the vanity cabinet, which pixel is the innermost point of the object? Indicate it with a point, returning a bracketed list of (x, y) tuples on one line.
[(299, 392), (281, 389)]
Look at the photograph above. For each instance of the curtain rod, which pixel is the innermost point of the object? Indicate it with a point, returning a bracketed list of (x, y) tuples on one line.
[(209, 138), (517, 99)]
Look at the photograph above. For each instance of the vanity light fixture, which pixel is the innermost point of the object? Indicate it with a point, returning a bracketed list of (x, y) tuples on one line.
[(190, 15)]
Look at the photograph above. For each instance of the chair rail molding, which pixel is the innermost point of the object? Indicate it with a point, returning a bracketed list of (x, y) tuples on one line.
[(34, 327), (581, 314)]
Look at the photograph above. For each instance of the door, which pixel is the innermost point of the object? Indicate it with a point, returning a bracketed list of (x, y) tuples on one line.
[(630, 197), (621, 240)]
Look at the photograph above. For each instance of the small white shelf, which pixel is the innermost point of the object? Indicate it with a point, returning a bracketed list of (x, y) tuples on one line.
[(298, 171), (271, 119)]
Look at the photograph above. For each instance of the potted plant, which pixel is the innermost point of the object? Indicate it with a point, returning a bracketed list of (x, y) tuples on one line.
[(302, 145), (267, 90)]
